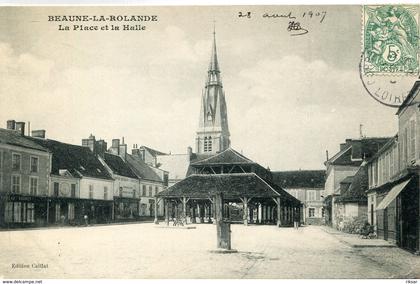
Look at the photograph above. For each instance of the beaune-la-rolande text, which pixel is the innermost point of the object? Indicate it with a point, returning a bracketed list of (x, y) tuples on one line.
[(102, 18)]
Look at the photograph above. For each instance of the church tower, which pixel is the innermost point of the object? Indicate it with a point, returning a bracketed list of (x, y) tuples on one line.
[(213, 131)]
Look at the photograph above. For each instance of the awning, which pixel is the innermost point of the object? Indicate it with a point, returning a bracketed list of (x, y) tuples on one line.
[(392, 194)]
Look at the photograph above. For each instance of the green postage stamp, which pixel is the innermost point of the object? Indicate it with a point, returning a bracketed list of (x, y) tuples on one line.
[(391, 40)]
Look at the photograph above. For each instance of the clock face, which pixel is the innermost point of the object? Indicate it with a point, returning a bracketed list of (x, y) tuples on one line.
[(65, 189)]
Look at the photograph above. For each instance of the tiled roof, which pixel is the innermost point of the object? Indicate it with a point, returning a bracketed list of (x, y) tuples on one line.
[(153, 152), (78, 160), (232, 186), (358, 149), (356, 192), (141, 169), (14, 138), (228, 156), (299, 179), (118, 166)]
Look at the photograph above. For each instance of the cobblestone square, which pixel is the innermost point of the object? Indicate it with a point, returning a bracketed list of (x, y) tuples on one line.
[(147, 251)]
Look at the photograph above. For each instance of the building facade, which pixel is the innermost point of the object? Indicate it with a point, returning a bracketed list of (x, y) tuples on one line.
[(80, 185), (308, 187), (152, 181), (393, 195), (24, 179), (343, 164)]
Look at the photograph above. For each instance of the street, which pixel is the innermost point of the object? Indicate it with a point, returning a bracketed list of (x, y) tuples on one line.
[(153, 251)]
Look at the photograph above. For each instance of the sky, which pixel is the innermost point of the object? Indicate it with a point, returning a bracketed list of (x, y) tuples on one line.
[(289, 98)]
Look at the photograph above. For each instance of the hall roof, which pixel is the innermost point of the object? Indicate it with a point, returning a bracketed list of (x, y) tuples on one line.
[(228, 156), (300, 178), (231, 185)]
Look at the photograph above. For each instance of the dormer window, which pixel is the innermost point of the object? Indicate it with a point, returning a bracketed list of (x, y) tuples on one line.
[(209, 116)]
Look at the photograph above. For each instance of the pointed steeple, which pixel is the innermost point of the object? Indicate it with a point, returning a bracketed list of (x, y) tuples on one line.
[(213, 130), (213, 77), (214, 64)]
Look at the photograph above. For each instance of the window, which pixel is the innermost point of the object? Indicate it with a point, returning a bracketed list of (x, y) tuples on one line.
[(121, 192), (15, 184), (311, 212), (56, 188), (33, 185), (16, 162), (90, 191), (150, 191), (73, 190), (205, 144), (209, 144), (322, 212), (412, 139), (156, 190), (134, 193), (18, 212), (144, 190), (105, 192), (311, 195), (34, 164)]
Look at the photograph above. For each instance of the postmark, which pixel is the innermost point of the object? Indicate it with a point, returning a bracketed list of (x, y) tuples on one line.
[(389, 63), (390, 40)]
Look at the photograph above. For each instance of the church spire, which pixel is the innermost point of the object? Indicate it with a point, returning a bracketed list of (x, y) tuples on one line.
[(213, 130), (214, 64), (213, 77)]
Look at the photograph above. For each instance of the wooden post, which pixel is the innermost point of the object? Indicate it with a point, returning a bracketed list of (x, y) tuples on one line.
[(259, 213), (167, 212), (184, 209), (245, 208), (251, 214), (201, 212), (193, 220), (156, 211), (278, 212), (210, 212)]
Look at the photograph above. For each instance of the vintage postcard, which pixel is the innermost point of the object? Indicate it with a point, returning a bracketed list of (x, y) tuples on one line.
[(209, 142)]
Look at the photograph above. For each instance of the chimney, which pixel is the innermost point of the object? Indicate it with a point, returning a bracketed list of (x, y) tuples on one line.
[(100, 147), (11, 124), (115, 147), (38, 133), (135, 152), (115, 143), (20, 127), (326, 153), (122, 152), (90, 143), (356, 150), (189, 151)]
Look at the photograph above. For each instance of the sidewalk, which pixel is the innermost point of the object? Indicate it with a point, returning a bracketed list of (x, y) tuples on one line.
[(354, 240)]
